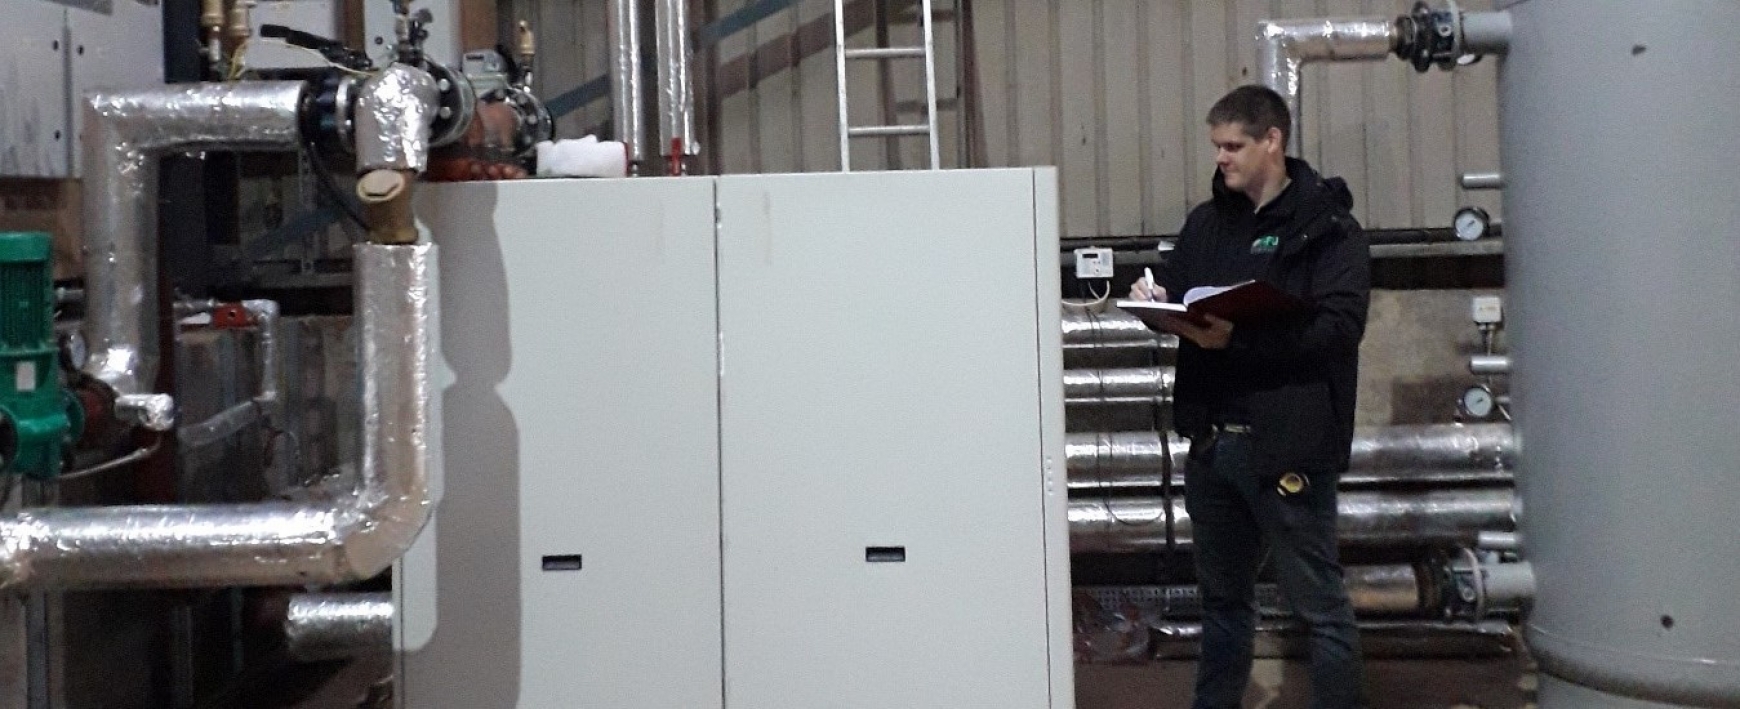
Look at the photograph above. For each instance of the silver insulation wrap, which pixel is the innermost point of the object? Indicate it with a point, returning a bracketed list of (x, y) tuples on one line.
[(1284, 46), (1439, 454), (338, 626), (352, 537), (1138, 524), (125, 132), (625, 77), (394, 111), (676, 80), (1113, 328), (1118, 386)]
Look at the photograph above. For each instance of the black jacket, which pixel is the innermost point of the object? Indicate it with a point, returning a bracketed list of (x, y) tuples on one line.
[(1294, 379)]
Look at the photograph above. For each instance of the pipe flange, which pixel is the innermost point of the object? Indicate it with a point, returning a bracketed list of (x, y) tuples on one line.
[(455, 106), (1431, 36), (536, 124), (344, 113)]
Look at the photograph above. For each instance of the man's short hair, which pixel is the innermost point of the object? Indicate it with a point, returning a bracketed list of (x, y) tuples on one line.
[(1259, 108)]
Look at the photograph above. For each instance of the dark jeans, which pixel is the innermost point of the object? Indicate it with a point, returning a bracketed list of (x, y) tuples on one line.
[(1233, 515)]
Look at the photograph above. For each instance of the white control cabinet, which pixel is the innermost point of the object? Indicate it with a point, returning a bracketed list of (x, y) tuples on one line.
[(757, 442)]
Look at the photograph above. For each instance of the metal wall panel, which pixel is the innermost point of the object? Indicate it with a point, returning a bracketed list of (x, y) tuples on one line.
[(35, 132), (808, 477), (582, 420), (1114, 93), (119, 49)]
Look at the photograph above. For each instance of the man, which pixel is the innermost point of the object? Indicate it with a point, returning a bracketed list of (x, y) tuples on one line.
[(1268, 406)]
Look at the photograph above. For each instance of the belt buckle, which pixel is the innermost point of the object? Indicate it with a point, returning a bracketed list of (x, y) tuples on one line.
[(1235, 428)]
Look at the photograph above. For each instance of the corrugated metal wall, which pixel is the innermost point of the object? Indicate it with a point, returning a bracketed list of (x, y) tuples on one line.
[(1113, 92)]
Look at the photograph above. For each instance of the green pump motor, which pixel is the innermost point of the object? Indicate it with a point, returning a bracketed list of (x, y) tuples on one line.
[(37, 415)]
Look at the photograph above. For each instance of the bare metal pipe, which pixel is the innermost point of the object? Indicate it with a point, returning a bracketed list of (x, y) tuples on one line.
[(1138, 524), (278, 543), (1486, 365), (1118, 386), (265, 402), (625, 78), (1415, 455), (125, 132), (1482, 181), (338, 626), (1285, 46)]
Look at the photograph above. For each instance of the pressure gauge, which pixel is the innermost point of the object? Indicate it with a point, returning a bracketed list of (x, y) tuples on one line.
[(1477, 403), (1472, 223)]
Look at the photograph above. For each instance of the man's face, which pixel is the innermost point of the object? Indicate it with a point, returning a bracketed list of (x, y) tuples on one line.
[(1242, 159)]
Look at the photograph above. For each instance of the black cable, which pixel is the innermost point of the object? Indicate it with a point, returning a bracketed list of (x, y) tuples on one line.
[(324, 181)]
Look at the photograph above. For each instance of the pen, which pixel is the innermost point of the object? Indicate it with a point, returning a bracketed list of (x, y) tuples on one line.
[(1153, 288)]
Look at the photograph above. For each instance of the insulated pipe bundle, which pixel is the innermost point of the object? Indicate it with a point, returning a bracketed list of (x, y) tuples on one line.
[(1443, 454), (1134, 525)]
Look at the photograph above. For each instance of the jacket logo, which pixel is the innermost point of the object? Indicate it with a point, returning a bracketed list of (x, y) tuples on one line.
[(1265, 244)]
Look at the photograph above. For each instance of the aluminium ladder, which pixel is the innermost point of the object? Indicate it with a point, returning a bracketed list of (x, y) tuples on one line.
[(927, 52)]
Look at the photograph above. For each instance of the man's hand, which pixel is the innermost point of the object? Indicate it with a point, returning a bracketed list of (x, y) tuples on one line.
[(1214, 336), (1142, 290)]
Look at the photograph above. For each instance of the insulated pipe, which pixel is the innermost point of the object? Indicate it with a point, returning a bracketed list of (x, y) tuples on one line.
[(125, 132), (1113, 328), (278, 543), (627, 102), (676, 81), (1432, 454), (1116, 386), (338, 626), (395, 109), (1285, 46), (1138, 524)]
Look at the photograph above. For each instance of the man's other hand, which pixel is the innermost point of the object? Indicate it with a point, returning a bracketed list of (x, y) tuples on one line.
[(1213, 336), (1141, 290)]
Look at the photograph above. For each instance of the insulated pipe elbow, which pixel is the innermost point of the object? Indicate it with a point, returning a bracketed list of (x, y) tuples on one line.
[(1285, 46), (125, 132), (352, 538), (395, 110)]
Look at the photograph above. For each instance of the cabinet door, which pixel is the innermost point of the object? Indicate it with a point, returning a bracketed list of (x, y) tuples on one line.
[(881, 441), (578, 558)]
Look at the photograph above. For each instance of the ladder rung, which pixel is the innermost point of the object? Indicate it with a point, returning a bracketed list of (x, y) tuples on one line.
[(883, 131), (886, 53)]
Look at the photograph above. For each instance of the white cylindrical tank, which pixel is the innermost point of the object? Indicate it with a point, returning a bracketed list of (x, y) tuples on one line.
[(1621, 134)]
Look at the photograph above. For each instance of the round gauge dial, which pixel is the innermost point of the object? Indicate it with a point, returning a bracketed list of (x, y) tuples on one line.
[(1472, 223), (1477, 402)]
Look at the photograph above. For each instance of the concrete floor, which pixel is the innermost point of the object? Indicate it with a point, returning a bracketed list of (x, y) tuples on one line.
[(1501, 683)]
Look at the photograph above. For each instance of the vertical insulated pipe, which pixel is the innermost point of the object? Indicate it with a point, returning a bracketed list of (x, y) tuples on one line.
[(676, 83), (625, 78), (1619, 125)]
